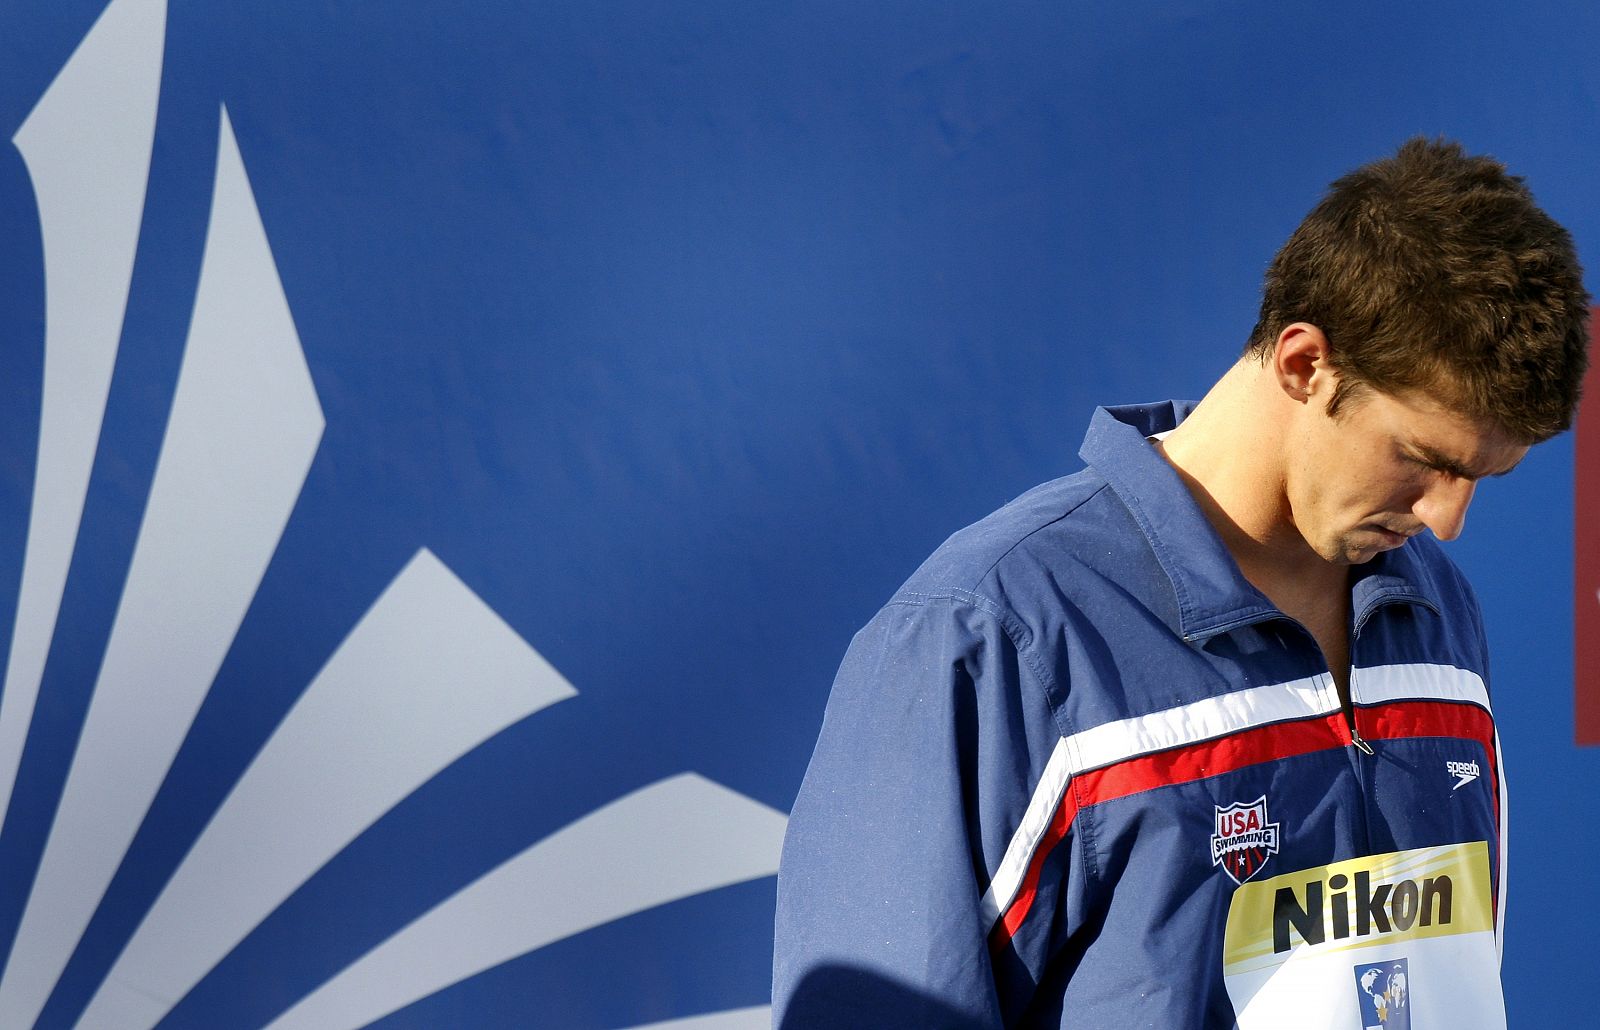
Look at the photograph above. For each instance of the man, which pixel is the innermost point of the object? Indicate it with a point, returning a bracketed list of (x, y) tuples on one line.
[(1191, 738)]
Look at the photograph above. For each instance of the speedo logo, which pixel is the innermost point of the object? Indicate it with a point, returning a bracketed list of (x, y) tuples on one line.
[(1464, 772), (1379, 908)]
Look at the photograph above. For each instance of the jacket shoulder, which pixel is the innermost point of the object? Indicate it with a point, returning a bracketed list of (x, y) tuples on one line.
[(965, 566)]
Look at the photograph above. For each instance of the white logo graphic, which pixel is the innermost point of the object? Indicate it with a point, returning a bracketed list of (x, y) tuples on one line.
[(426, 675), (1464, 772)]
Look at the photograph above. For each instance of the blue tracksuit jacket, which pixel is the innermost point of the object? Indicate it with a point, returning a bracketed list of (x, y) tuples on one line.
[(1078, 772)]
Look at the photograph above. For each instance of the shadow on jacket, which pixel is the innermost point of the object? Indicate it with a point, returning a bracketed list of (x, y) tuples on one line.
[(842, 998)]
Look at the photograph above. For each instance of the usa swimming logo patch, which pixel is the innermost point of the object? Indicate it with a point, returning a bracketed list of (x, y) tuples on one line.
[(1383, 990), (1244, 839)]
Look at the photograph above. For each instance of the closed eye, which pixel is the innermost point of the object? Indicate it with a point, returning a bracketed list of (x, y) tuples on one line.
[(1436, 462)]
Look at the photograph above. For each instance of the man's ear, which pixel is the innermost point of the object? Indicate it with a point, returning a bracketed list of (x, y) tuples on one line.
[(1301, 363)]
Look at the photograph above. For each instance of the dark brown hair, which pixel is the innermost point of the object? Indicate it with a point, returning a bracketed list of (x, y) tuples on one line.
[(1434, 270)]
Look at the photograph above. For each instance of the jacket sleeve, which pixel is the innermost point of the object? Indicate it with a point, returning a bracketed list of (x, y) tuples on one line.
[(935, 740)]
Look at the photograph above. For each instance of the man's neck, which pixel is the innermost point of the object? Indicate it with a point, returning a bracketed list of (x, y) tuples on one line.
[(1230, 453)]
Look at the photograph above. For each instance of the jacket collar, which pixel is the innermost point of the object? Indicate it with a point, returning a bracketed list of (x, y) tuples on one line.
[(1212, 594)]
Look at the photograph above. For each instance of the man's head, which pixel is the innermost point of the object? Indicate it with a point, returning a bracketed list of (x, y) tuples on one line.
[(1386, 468), (1434, 273)]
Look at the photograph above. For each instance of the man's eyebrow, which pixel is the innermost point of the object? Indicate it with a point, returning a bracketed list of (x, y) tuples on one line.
[(1444, 463)]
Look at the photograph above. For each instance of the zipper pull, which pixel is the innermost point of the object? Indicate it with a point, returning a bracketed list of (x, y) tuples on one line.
[(1350, 712)]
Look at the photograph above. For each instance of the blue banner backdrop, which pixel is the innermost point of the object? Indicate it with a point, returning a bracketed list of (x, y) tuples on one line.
[(447, 450)]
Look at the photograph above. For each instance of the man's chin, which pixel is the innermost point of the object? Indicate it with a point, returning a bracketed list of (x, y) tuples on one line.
[(1366, 544)]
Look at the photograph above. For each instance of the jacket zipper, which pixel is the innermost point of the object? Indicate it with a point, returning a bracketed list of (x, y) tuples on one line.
[(1361, 745), (1355, 633), (1356, 740), (1350, 717)]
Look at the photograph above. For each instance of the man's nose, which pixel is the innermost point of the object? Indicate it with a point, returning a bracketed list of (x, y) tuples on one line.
[(1443, 506)]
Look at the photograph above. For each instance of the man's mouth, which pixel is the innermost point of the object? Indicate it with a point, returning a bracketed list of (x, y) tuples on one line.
[(1391, 537)]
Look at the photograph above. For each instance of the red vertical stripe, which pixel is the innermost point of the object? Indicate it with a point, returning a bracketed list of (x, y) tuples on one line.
[(1586, 546)]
